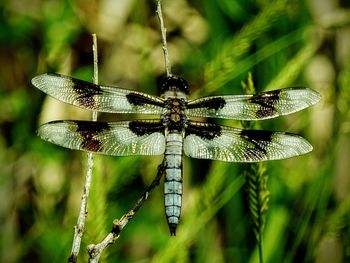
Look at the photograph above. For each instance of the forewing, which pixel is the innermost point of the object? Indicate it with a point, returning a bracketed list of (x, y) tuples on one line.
[(248, 107), (141, 137), (210, 141), (95, 97)]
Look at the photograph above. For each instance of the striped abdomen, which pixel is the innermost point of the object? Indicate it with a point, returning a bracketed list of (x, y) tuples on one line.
[(173, 179)]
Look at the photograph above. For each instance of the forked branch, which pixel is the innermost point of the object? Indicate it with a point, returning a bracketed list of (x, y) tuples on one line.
[(95, 250)]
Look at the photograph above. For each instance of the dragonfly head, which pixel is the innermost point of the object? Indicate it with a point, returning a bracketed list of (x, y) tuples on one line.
[(174, 84)]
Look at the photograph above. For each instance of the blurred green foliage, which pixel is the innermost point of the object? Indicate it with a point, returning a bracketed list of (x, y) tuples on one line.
[(214, 45)]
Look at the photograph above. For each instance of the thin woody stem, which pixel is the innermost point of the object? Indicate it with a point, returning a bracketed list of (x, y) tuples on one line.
[(79, 227), (164, 41), (95, 78)]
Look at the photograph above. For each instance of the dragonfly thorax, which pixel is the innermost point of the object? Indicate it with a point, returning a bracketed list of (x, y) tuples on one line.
[(175, 117)]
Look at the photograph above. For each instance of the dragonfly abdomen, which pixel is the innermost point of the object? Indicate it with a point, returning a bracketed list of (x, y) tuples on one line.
[(173, 179)]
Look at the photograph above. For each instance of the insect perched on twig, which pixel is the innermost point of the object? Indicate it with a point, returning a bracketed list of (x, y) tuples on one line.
[(174, 133)]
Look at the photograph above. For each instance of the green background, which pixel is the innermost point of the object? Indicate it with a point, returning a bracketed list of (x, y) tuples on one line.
[(214, 45)]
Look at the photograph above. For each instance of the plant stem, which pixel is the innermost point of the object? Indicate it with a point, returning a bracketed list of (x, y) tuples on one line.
[(79, 227), (164, 41), (261, 259)]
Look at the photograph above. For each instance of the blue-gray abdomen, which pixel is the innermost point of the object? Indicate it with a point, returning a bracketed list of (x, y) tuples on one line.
[(173, 179)]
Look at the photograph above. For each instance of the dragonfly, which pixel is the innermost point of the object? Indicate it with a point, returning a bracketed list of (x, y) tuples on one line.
[(173, 134)]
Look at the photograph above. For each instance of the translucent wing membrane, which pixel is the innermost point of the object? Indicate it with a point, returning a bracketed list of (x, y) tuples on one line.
[(146, 137), (141, 137), (210, 141), (254, 107), (95, 97)]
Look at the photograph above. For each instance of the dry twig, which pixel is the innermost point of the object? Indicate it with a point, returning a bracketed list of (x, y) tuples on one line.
[(164, 41), (79, 227)]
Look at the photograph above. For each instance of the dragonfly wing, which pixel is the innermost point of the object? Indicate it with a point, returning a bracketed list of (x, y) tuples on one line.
[(210, 141), (95, 97), (254, 107), (141, 137)]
